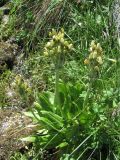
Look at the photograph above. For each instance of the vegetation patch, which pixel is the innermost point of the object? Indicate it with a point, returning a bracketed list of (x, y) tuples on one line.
[(65, 78)]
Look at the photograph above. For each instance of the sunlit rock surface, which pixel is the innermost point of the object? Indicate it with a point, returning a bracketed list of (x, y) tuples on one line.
[(13, 125)]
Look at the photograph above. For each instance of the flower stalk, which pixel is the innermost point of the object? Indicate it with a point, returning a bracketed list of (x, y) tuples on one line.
[(57, 48), (94, 62)]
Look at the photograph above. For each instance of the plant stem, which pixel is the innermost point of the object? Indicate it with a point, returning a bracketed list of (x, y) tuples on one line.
[(57, 70)]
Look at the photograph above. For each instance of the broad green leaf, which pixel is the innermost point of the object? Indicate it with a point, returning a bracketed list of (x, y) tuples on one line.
[(29, 139), (50, 124), (56, 119)]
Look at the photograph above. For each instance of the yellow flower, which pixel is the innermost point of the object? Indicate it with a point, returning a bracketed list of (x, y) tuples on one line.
[(96, 68), (70, 46), (48, 45), (99, 60), (93, 55), (59, 49), (99, 49), (86, 61), (50, 34), (93, 45), (45, 53), (62, 40), (66, 43), (57, 44), (62, 30), (54, 32), (52, 43)]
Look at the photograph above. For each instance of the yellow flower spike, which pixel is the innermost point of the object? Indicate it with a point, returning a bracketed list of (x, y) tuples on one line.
[(86, 61), (91, 49), (57, 38), (62, 35), (93, 45), (66, 43), (59, 33), (48, 45), (70, 46), (93, 55), (50, 34), (62, 30), (98, 45), (52, 43), (57, 44), (59, 49), (96, 68), (62, 40), (99, 60), (45, 53), (54, 32), (99, 49)]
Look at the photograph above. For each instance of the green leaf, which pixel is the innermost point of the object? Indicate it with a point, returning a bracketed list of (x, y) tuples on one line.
[(49, 124), (46, 101), (37, 106), (62, 145), (52, 116), (29, 114), (29, 139)]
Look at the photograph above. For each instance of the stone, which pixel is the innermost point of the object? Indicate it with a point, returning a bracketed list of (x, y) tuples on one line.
[(116, 18), (13, 126), (8, 53), (3, 2)]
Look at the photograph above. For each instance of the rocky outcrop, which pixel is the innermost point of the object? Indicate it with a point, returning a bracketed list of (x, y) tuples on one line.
[(116, 17), (3, 2), (8, 54), (13, 126)]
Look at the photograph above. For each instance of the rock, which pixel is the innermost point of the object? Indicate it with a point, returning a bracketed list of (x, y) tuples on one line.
[(3, 2), (13, 126), (4, 14), (8, 54), (5, 19), (116, 17), (5, 10)]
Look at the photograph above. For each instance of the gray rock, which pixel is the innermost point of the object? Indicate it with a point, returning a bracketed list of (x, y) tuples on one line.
[(116, 17), (5, 10), (13, 126), (8, 54), (3, 2)]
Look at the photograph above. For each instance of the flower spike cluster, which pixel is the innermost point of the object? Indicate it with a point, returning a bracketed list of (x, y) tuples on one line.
[(57, 44), (21, 85), (95, 58)]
